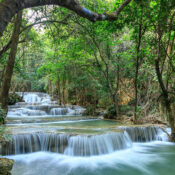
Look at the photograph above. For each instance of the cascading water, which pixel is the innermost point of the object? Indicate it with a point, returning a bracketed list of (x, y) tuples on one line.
[(35, 97), (81, 146), (144, 134), (97, 145), (58, 111), (40, 104), (78, 145), (26, 112)]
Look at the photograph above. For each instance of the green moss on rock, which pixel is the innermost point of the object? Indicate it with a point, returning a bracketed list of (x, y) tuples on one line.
[(14, 98), (6, 166)]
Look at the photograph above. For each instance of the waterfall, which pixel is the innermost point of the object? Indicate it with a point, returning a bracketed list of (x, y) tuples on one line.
[(28, 143), (25, 112), (105, 141), (98, 144), (35, 97), (68, 110), (40, 104), (75, 110), (58, 111), (144, 134), (80, 145)]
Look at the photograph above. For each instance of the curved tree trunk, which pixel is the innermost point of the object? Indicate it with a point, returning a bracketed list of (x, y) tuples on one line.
[(166, 101), (10, 64), (165, 94)]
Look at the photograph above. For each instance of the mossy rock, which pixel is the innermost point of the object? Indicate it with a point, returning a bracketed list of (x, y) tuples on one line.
[(14, 98), (6, 166), (110, 113)]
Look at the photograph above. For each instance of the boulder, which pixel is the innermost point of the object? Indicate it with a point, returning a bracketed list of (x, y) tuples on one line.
[(6, 166), (14, 98)]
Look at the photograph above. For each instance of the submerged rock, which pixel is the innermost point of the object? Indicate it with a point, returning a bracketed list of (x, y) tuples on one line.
[(6, 166)]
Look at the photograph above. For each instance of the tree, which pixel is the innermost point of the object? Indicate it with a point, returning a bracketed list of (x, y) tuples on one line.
[(11, 62), (163, 27)]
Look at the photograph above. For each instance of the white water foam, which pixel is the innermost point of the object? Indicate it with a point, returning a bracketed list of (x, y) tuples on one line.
[(136, 159)]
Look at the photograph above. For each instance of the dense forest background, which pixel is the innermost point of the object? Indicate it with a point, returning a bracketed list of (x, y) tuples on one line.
[(123, 66)]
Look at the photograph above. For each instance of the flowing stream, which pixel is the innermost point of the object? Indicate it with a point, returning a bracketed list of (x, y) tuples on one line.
[(48, 139)]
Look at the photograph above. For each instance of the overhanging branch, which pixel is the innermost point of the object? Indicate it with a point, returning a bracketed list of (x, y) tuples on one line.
[(8, 8)]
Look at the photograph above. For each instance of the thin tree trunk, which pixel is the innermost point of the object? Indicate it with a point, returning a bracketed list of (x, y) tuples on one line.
[(50, 88), (137, 70), (59, 91), (116, 96), (76, 92), (66, 92), (63, 91), (136, 77), (10, 64), (116, 107)]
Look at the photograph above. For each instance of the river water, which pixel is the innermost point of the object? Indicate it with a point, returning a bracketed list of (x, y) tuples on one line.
[(48, 139)]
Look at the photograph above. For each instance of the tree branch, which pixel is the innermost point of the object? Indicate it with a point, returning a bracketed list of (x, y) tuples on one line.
[(8, 8), (7, 46)]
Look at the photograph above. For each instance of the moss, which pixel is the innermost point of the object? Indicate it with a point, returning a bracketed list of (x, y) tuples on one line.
[(14, 98)]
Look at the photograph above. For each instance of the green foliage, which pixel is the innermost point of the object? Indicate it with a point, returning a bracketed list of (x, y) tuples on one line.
[(125, 108), (2, 115), (139, 111)]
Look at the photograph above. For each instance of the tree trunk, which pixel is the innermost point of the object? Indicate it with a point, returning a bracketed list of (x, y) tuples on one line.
[(66, 92), (59, 91), (164, 90), (170, 118), (2, 75), (76, 93), (117, 108), (50, 88), (10, 64), (63, 91), (137, 70), (116, 100)]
